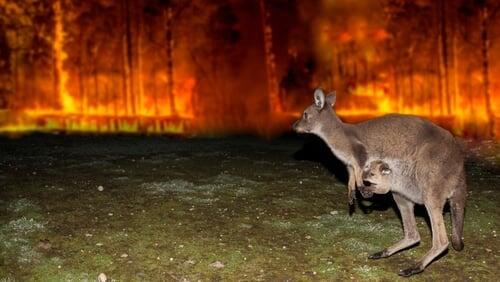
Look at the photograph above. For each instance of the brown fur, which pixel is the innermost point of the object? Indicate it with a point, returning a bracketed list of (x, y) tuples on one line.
[(434, 164), (384, 178)]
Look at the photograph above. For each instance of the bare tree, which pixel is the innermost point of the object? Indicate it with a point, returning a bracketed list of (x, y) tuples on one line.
[(171, 13), (270, 58), (443, 58), (128, 79)]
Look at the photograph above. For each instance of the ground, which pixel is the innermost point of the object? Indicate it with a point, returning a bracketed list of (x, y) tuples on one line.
[(240, 208)]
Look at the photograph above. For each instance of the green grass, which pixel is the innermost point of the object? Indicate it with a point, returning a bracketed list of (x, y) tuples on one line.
[(174, 210)]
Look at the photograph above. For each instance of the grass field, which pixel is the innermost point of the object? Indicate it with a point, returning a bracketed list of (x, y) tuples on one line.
[(157, 208)]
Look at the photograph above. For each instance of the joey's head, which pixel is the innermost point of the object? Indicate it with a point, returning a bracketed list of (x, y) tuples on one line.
[(318, 114), (376, 178)]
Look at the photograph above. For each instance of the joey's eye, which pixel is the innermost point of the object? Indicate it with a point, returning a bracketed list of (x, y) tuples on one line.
[(305, 115)]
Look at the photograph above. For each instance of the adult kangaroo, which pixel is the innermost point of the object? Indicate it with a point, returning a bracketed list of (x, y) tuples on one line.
[(437, 158)]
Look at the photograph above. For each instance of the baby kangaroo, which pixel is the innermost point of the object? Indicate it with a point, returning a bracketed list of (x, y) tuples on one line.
[(409, 186)]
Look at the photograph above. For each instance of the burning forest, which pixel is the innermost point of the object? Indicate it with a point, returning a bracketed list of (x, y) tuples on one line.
[(228, 66), (152, 140)]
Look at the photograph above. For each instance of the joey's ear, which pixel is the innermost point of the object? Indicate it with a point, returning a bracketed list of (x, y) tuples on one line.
[(319, 98), (331, 98), (384, 169)]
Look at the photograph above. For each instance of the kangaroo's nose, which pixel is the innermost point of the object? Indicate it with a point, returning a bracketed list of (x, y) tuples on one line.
[(366, 183)]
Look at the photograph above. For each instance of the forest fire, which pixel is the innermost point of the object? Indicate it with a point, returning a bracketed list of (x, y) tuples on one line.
[(187, 67), (189, 140)]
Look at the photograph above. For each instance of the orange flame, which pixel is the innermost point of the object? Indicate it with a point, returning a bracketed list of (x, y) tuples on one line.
[(67, 103)]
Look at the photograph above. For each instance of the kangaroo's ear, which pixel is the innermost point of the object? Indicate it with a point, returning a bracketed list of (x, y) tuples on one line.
[(331, 98), (319, 98)]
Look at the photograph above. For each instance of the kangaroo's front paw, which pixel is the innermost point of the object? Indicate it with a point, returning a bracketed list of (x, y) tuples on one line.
[(378, 255), (411, 271)]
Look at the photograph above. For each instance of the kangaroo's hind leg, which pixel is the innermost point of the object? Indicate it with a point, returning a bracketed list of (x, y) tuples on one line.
[(412, 236), (439, 238)]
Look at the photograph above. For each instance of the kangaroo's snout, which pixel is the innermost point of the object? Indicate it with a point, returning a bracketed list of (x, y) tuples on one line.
[(299, 126)]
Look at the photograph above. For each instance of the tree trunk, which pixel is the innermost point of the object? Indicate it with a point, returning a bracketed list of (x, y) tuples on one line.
[(470, 96), (98, 100), (430, 94), (441, 42), (33, 90), (127, 58), (15, 74), (456, 86), (115, 101), (485, 44), (444, 55), (130, 58), (80, 83), (396, 87), (140, 81), (412, 84), (56, 54), (168, 14), (55, 76), (155, 94), (440, 80), (85, 95), (125, 76), (272, 80), (333, 65), (354, 69)]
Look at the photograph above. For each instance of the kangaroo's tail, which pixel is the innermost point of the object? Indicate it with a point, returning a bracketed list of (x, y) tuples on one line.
[(457, 207)]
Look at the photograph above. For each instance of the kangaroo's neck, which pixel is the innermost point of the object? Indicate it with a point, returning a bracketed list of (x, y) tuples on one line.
[(339, 137), (332, 129)]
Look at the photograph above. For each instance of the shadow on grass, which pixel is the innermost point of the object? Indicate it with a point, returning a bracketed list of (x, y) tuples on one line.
[(315, 150)]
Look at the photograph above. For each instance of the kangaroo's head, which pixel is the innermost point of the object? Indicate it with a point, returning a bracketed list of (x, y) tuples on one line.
[(317, 115)]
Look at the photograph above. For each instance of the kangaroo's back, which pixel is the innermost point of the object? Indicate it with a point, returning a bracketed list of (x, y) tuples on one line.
[(397, 135)]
